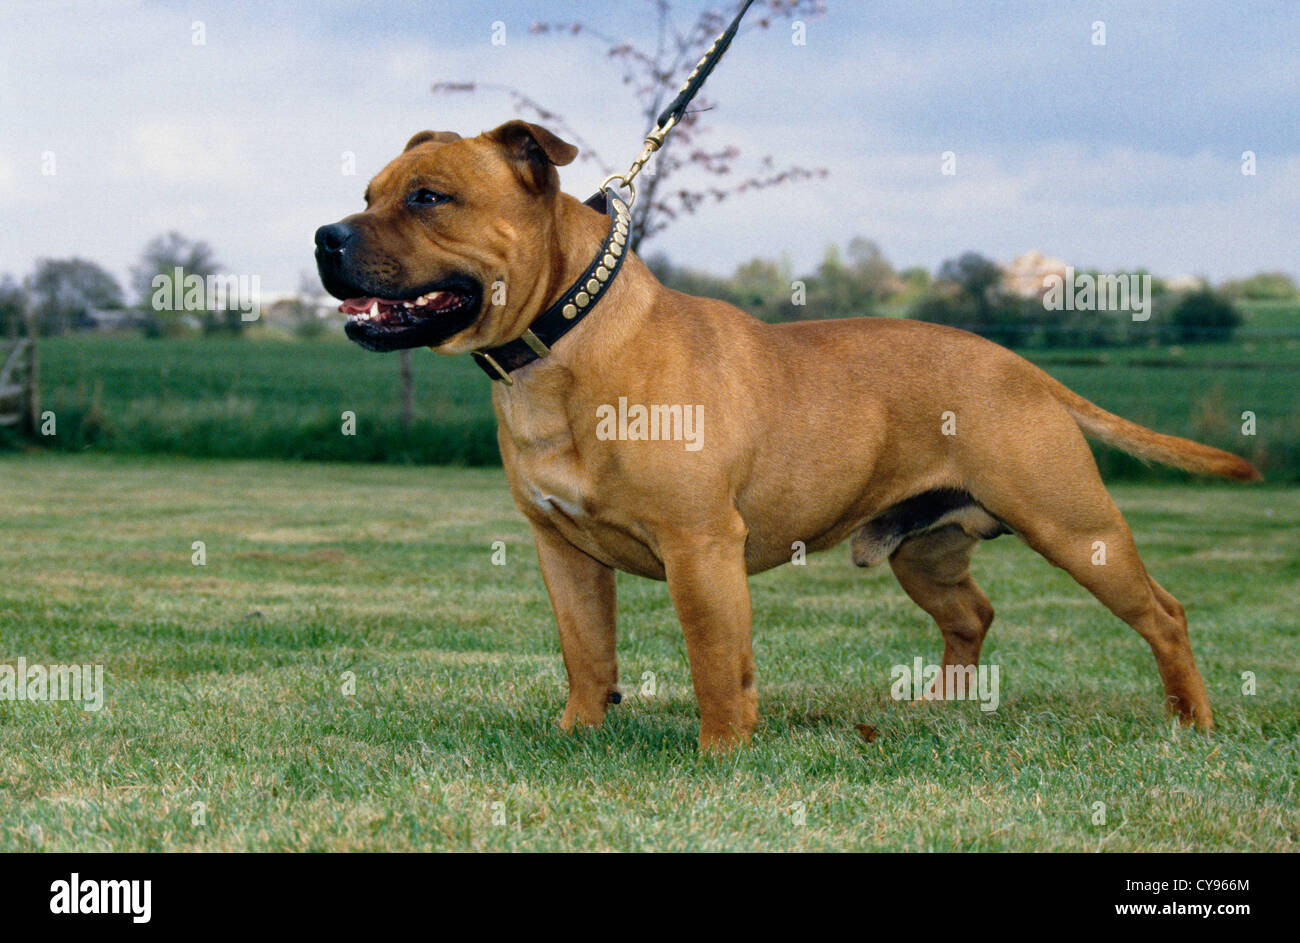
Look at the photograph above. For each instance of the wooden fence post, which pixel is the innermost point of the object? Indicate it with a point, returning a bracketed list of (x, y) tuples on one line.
[(408, 389), (20, 381), (32, 394)]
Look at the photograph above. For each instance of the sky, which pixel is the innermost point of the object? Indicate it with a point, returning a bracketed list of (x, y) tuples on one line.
[(1118, 156)]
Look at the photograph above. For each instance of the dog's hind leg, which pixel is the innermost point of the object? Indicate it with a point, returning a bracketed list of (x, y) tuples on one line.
[(1062, 510), (934, 570), (1104, 560)]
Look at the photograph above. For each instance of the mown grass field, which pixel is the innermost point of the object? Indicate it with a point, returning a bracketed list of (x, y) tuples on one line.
[(253, 397), (225, 682)]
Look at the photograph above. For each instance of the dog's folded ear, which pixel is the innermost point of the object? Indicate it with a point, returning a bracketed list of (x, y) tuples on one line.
[(536, 151), (442, 137)]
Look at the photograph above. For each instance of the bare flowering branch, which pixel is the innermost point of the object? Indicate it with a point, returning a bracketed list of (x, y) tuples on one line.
[(528, 106), (652, 73)]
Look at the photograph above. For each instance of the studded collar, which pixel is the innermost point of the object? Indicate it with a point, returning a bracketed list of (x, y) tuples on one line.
[(572, 306)]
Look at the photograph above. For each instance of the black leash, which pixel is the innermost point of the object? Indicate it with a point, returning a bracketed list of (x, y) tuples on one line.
[(677, 109), (557, 320), (670, 116)]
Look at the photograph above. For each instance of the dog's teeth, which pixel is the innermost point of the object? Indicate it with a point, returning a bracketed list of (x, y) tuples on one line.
[(374, 309)]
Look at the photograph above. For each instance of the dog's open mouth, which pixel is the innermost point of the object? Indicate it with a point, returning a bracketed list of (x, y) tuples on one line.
[(393, 324), (383, 313)]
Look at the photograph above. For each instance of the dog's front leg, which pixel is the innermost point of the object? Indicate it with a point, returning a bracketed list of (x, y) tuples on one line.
[(710, 590), (583, 596)]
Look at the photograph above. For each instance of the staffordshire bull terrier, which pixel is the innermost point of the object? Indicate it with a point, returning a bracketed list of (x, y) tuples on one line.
[(911, 440)]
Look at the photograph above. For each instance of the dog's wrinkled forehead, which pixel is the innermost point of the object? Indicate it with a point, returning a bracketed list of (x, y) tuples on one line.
[(529, 151), (417, 160), (437, 137)]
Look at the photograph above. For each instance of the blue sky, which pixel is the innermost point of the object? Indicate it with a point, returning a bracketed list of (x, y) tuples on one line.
[(1118, 156)]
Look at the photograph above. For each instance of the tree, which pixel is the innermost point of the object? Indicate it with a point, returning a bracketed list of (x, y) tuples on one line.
[(840, 288), (306, 310), (1262, 286), (968, 288), (1203, 316), (830, 288), (873, 276), (762, 287), (13, 307), (916, 278), (654, 75), (690, 281), (977, 278), (951, 309), (162, 257), (63, 290)]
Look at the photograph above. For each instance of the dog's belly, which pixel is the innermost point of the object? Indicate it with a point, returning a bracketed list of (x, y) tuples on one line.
[(783, 524), (766, 551), (556, 492), (875, 534)]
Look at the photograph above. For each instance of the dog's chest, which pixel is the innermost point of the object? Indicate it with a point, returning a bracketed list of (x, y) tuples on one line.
[(553, 481), (538, 447), (553, 487)]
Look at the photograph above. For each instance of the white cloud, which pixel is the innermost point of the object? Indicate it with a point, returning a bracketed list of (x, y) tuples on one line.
[(204, 154)]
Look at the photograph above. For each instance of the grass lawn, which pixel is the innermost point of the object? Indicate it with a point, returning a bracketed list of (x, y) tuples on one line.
[(225, 682)]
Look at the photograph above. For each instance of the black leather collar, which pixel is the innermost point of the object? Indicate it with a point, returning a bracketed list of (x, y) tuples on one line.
[(573, 305)]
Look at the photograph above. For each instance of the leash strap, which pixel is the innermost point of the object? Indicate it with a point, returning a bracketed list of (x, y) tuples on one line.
[(670, 116), (677, 109), (557, 320)]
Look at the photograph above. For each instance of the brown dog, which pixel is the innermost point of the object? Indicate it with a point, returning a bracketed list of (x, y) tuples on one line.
[(680, 439)]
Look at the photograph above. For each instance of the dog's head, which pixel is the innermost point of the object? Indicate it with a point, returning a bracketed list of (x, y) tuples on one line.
[(455, 244)]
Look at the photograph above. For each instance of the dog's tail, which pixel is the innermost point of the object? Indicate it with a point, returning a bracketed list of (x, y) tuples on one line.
[(1152, 446)]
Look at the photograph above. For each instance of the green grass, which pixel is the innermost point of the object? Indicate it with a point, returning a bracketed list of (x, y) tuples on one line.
[(1267, 320), (224, 682), (245, 398), (268, 398)]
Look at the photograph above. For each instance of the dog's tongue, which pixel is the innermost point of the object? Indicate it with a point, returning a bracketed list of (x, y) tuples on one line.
[(358, 305)]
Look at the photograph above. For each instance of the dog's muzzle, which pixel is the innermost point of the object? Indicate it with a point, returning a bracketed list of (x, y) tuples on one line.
[(383, 317)]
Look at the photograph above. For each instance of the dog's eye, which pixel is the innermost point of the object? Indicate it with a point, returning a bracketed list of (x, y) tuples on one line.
[(426, 197)]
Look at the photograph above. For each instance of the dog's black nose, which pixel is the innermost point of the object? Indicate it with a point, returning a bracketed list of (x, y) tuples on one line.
[(333, 238)]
